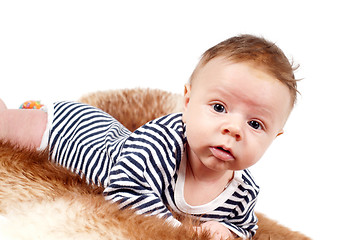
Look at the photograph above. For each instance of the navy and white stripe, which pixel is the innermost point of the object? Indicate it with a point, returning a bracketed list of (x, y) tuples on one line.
[(140, 169), (85, 140), (153, 150)]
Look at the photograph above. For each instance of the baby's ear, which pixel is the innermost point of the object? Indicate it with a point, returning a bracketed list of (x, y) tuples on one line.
[(187, 93), (186, 98), (280, 133)]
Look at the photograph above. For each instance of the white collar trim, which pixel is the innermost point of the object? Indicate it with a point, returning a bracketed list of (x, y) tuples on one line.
[(183, 206)]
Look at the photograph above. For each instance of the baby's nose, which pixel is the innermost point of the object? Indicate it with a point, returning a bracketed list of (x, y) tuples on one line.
[(233, 130)]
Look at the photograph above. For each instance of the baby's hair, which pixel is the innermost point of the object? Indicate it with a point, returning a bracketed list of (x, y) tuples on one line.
[(256, 50)]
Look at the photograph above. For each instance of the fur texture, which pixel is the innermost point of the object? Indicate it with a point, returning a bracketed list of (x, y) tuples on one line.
[(39, 200), (135, 107)]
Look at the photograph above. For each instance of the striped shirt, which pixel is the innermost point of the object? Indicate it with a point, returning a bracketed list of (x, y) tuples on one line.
[(144, 170)]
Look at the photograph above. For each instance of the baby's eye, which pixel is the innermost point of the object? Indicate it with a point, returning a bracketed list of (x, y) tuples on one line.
[(254, 124), (219, 108)]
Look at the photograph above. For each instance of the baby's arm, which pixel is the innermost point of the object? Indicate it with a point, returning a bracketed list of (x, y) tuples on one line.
[(242, 224), (24, 128), (130, 190), (147, 166)]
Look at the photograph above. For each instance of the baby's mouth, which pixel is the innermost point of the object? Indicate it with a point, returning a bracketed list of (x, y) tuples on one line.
[(222, 153), (223, 149)]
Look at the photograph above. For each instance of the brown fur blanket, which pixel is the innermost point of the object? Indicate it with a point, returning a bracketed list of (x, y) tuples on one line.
[(39, 200)]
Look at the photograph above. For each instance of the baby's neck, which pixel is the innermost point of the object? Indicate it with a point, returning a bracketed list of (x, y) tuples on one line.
[(203, 185), (200, 173)]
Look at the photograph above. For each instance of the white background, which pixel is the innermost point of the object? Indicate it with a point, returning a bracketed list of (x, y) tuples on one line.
[(309, 178)]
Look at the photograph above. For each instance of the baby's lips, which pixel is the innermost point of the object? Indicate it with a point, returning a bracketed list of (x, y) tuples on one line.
[(222, 154)]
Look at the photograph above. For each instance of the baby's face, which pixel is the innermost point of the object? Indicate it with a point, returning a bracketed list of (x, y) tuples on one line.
[(233, 112)]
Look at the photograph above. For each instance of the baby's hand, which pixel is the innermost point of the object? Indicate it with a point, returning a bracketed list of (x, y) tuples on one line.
[(217, 230)]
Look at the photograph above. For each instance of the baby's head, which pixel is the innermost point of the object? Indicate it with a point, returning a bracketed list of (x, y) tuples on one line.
[(260, 53), (237, 102)]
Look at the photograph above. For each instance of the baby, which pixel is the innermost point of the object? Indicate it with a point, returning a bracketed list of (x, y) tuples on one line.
[(195, 162)]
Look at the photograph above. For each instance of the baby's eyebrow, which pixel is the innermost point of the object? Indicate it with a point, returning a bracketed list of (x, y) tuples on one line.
[(254, 102), (264, 110)]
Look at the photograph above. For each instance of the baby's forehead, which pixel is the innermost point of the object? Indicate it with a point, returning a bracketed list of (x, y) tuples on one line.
[(224, 62), (255, 65)]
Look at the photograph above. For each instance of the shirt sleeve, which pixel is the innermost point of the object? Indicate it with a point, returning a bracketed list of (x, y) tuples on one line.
[(146, 167), (242, 220), (244, 225)]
